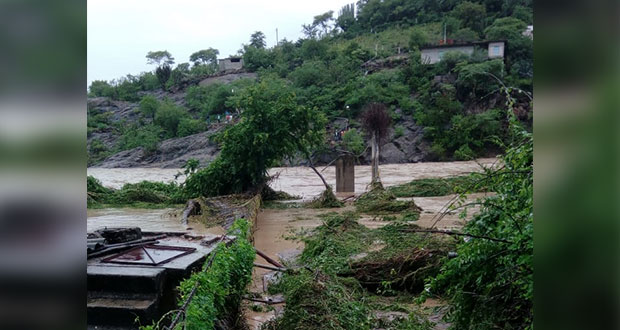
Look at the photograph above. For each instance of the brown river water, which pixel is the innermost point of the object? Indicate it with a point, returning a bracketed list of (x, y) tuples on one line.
[(300, 181), (275, 225)]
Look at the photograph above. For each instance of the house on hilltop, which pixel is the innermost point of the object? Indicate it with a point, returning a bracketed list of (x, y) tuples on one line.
[(434, 54), (231, 63)]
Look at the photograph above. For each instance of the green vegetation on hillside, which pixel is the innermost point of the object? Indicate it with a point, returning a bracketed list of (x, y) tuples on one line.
[(456, 100)]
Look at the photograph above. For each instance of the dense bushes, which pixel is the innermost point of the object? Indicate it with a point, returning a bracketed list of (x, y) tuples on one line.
[(125, 88), (133, 136), (168, 116)]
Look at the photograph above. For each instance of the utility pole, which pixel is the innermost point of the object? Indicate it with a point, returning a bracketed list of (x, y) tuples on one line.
[(444, 33), (277, 42)]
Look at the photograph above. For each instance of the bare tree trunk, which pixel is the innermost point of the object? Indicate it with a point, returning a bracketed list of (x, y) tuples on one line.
[(374, 146), (320, 176), (311, 165)]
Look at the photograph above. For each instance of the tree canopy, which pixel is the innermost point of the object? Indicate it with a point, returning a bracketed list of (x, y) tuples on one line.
[(273, 126), (205, 56), (257, 39), (159, 58)]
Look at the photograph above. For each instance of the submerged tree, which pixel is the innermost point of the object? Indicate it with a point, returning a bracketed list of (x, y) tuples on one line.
[(376, 121)]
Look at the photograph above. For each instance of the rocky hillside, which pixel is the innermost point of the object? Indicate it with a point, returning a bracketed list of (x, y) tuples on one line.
[(403, 146)]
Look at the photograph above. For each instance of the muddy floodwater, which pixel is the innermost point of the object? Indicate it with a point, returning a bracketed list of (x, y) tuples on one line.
[(302, 181), (274, 227), (149, 220)]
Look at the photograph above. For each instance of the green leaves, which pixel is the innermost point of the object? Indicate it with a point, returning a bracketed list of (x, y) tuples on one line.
[(272, 127), (491, 283)]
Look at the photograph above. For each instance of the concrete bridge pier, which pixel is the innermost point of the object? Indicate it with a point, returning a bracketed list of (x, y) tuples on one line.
[(345, 174)]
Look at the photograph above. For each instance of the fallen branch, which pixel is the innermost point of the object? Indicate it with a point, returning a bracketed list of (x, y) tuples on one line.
[(269, 259), (268, 302), (121, 246), (192, 204)]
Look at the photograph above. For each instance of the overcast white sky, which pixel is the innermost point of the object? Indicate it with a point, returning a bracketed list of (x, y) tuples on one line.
[(121, 32)]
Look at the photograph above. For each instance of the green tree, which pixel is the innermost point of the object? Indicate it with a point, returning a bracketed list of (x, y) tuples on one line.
[(272, 127), (147, 137), (353, 141), (163, 74), (179, 74), (311, 73), (257, 39), (205, 56), (148, 106), (506, 28), (519, 48), (168, 117), (417, 39), (256, 58), (323, 21), (159, 58), (465, 34), (471, 15), (523, 13), (100, 88), (163, 60), (475, 81), (346, 17), (188, 126), (309, 30)]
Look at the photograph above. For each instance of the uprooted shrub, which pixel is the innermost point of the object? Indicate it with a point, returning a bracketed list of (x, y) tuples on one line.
[(405, 261), (331, 245), (315, 300), (145, 193), (321, 296), (268, 194), (327, 199), (440, 186), (381, 201)]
